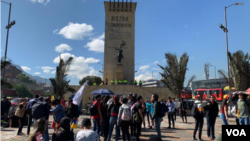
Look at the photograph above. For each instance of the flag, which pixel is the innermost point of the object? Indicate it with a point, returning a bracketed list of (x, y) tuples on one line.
[(52, 98), (74, 124), (78, 97)]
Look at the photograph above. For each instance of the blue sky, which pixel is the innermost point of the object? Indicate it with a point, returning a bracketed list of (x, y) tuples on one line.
[(45, 28)]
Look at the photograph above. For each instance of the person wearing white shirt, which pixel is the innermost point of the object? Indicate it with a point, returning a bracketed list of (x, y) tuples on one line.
[(86, 134), (176, 102), (171, 110)]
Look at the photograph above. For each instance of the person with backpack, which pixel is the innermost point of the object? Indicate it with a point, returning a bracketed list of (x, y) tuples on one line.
[(72, 111), (29, 112), (156, 116), (148, 109), (198, 115), (38, 131), (137, 116), (131, 102), (124, 117), (95, 112), (171, 110), (114, 110), (183, 110), (21, 114), (211, 110), (40, 110)]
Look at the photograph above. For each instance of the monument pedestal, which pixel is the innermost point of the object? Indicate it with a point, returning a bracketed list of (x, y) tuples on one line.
[(119, 72)]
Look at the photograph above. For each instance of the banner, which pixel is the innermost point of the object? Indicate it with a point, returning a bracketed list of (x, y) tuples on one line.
[(78, 97)]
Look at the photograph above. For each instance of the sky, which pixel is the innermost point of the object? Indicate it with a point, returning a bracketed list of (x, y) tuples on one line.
[(46, 28)]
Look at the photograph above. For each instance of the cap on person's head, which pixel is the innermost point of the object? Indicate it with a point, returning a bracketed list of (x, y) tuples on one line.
[(40, 98), (36, 96), (86, 122)]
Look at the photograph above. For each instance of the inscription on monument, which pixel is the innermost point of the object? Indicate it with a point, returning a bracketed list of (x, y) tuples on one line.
[(115, 34)]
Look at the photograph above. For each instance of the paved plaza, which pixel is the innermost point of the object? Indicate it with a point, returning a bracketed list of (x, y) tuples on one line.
[(182, 131)]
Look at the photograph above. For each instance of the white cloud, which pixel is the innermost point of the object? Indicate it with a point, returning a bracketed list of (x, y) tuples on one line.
[(97, 44), (76, 31), (47, 68), (60, 48), (55, 31), (143, 68), (156, 62), (79, 67), (25, 68), (91, 60), (37, 73), (145, 76), (40, 1), (53, 72), (46, 71)]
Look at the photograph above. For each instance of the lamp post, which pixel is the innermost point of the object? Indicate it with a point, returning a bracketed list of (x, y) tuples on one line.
[(226, 30), (10, 24)]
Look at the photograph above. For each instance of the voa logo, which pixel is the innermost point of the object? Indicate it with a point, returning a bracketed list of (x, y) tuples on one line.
[(236, 132)]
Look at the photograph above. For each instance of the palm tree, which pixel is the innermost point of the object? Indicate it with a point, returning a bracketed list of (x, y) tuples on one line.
[(59, 83), (239, 70), (174, 73), (4, 83)]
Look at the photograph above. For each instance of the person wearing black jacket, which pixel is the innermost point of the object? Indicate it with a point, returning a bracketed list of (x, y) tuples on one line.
[(183, 109), (105, 117), (72, 111), (63, 133), (198, 114), (211, 111), (45, 114)]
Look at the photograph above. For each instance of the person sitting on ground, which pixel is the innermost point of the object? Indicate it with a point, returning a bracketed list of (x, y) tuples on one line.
[(63, 133), (13, 118), (86, 134), (38, 131)]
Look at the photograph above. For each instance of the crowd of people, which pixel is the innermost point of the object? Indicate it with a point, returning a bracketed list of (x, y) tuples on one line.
[(126, 114)]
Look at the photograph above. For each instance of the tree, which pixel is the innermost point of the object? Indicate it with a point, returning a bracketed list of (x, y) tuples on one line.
[(4, 83), (173, 75), (23, 78), (92, 80), (239, 70), (23, 91), (59, 83)]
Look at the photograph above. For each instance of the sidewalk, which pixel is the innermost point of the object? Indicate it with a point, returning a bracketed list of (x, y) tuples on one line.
[(182, 131)]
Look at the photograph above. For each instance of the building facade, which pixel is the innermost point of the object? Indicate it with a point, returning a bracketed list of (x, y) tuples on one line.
[(152, 83), (10, 74)]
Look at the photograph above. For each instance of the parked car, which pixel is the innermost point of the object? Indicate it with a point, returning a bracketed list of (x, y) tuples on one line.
[(15, 101)]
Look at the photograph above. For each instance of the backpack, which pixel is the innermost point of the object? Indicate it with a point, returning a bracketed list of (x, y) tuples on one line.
[(163, 108), (94, 110), (38, 110), (126, 114)]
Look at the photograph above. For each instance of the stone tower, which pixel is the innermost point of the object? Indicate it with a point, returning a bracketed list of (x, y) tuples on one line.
[(119, 28)]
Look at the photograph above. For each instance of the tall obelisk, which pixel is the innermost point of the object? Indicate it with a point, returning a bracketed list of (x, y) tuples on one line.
[(119, 28)]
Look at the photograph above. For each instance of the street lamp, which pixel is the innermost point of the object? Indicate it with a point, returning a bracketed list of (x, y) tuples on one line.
[(226, 30), (10, 24)]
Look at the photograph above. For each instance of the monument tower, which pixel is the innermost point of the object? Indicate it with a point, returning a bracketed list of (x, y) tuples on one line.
[(119, 47)]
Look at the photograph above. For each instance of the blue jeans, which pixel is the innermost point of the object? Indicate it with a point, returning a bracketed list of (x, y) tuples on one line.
[(210, 126), (112, 122), (46, 134), (244, 121), (97, 126), (223, 117), (158, 126)]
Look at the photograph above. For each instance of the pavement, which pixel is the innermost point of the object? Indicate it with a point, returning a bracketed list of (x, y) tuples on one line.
[(182, 131)]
